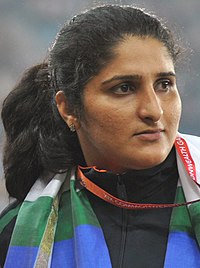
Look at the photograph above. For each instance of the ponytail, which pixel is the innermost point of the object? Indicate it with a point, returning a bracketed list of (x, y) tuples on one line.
[(37, 139)]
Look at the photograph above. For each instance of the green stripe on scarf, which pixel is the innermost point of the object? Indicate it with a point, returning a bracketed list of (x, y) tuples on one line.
[(83, 213), (194, 211), (64, 228), (81, 209), (33, 219), (180, 219)]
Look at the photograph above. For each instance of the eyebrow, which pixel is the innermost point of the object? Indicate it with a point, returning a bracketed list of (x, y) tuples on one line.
[(165, 74), (122, 77), (136, 77)]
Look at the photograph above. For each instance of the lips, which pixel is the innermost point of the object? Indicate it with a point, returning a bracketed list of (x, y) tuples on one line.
[(150, 131), (150, 134)]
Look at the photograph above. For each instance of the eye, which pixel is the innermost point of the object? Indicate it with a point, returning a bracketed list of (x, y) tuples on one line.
[(124, 89), (164, 85)]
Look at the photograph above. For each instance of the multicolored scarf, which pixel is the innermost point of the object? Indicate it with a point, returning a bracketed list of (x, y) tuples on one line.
[(56, 226)]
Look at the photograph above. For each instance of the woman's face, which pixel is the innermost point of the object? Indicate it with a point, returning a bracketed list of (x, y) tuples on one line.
[(132, 108)]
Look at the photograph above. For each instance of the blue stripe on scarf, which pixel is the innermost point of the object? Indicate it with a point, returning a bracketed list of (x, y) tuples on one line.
[(90, 242), (21, 257), (63, 254), (182, 251)]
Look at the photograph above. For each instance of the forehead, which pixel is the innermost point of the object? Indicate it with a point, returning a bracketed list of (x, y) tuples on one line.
[(140, 55)]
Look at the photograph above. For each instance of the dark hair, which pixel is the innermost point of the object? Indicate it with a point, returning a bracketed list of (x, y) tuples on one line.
[(38, 140)]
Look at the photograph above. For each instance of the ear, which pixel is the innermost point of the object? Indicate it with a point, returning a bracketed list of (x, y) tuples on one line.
[(63, 108)]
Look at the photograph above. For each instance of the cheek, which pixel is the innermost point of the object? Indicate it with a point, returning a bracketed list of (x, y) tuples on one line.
[(106, 129), (177, 109), (106, 118), (172, 113)]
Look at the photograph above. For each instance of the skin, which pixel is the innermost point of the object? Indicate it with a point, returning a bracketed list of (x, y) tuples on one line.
[(132, 108)]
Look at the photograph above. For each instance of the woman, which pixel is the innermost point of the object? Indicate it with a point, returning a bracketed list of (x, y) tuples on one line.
[(93, 156)]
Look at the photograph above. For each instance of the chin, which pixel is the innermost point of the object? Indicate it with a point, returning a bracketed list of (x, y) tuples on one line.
[(151, 162)]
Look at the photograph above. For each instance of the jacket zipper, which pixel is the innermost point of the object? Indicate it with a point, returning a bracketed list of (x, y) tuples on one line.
[(121, 189)]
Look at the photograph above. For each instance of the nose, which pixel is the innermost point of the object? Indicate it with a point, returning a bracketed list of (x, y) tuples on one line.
[(149, 108)]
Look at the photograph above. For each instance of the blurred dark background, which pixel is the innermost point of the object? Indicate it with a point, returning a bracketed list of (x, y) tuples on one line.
[(28, 27)]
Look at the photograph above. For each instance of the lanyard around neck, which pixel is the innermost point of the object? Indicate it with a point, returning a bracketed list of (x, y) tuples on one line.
[(189, 164)]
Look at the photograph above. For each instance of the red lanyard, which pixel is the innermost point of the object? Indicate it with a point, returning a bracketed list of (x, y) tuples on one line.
[(184, 152), (185, 155)]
